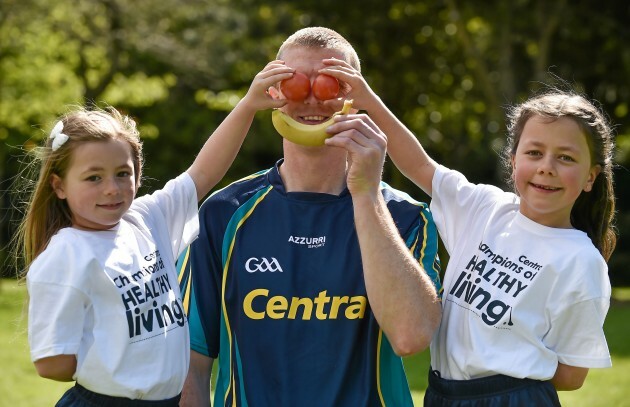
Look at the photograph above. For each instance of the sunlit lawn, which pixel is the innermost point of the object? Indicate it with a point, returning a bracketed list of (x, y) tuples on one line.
[(21, 387), (603, 387)]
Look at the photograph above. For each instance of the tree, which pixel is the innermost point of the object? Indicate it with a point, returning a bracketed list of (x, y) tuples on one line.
[(447, 68)]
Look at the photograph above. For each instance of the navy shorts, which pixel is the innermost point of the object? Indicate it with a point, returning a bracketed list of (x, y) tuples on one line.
[(492, 391), (79, 396)]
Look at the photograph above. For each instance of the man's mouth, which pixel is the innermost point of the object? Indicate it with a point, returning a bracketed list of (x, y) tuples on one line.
[(314, 119)]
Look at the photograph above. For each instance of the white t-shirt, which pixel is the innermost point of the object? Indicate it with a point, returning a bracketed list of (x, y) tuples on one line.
[(112, 298), (519, 297)]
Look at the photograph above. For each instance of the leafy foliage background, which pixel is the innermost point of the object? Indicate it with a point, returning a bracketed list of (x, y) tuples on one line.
[(447, 68)]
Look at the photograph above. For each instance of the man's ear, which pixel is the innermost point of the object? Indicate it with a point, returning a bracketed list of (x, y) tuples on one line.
[(56, 184), (274, 93)]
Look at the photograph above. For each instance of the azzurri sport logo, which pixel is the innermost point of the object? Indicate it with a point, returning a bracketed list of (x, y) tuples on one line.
[(262, 264), (309, 242)]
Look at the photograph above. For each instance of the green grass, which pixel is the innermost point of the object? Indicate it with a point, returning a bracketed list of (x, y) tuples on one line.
[(21, 387), (603, 387)]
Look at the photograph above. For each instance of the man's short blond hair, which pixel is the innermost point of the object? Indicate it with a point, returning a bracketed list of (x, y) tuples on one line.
[(322, 37)]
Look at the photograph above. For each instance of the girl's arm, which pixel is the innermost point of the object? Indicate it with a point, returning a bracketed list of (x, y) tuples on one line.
[(402, 146), (569, 377), (220, 150), (60, 367)]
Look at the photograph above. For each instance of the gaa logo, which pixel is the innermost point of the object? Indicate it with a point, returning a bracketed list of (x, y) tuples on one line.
[(254, 264)]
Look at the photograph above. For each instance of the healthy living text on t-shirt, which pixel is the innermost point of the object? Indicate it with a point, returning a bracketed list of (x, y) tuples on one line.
[(150, 304), (490, 273)]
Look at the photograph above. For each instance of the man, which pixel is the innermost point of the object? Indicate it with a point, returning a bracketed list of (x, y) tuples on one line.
[(300, 282)]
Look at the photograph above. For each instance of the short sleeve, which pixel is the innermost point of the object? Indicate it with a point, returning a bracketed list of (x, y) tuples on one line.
[(577, 335), (177, 203), (66, 307), (424, 247), (457, 203)]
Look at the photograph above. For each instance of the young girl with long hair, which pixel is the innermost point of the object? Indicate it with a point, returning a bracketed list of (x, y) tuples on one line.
[(526, 289), (104, 300)]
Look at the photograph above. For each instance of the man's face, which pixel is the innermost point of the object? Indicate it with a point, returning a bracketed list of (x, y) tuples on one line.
[(309, 61)]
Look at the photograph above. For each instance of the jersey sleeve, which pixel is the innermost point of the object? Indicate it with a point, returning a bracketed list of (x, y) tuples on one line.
[(415, 224), (200, 271), (424, 246)]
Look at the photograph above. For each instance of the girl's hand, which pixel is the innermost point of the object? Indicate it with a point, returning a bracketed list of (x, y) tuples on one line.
[(261, 94), (352, 84)]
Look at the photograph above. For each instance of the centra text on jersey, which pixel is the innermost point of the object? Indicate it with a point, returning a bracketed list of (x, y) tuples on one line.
[(258, 305)]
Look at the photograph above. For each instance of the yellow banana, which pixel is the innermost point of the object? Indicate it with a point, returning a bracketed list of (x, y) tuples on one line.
[(305, 134)]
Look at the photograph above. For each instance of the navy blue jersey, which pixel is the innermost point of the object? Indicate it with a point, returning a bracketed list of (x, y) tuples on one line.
[(274, 289)]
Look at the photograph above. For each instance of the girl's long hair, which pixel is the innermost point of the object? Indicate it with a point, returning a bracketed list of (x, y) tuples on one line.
[(44, 213)]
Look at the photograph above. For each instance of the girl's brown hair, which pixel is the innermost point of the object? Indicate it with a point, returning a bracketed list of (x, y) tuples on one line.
[(44, 213)]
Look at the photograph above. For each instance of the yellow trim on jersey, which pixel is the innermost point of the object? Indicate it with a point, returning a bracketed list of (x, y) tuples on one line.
[(378, 366), (224, 283), (180, 277)]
